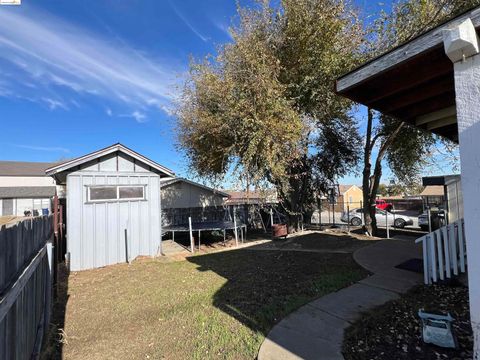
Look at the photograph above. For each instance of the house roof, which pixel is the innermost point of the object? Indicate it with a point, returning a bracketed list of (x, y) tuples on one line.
[(105, 151), (433, 190), (23, 168), (413, 82), (164, 182), (27, 192)]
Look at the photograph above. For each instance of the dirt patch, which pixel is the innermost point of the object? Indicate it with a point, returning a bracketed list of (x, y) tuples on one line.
[(326, 241), (394, 331)]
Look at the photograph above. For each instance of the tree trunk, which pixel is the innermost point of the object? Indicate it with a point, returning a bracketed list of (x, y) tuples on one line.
[(370, 181)]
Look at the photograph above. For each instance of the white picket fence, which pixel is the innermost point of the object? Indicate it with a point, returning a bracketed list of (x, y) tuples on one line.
[(444, 252)]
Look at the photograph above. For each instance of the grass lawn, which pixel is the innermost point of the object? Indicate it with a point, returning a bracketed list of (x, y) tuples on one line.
[(218, 305)]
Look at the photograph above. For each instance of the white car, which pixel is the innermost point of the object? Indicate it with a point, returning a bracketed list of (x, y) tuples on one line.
[(395, 220)]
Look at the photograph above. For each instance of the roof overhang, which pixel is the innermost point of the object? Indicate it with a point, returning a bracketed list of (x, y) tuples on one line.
[(440, 180), (413, 82), (106, 151)]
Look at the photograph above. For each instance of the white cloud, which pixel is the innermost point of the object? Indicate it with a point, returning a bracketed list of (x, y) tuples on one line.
[(108, 111), (43, 148), (186, 22), (41, 55), (53, 104), (139, 116)]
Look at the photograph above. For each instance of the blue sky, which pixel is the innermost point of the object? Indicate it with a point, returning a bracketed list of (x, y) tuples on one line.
[(80, 75)]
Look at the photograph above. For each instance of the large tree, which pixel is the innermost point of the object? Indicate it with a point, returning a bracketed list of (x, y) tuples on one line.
[(403, 147), (264, 105)]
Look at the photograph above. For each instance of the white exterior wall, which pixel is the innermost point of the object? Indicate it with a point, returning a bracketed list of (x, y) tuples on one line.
[(462, 46), (184, 195), (20, 181), (455, 201), (96, 231)]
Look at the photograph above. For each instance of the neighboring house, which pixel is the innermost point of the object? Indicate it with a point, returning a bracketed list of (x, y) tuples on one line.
[(433, 196), (24, 186), (182, 193), (182, 198), (435, 87), (113, 206), (350, 195)]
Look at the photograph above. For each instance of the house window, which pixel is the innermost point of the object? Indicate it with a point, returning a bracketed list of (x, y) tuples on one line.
[(117, 192)]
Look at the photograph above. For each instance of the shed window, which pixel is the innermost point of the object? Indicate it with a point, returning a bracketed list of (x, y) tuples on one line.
[(103, 193), (130, 192), (117, 192)]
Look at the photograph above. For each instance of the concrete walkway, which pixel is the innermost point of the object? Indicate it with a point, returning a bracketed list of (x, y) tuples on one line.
[(315, 331)]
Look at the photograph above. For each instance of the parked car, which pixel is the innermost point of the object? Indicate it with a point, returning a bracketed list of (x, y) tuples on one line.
[(437, 219), (383, 205), (356, 216)]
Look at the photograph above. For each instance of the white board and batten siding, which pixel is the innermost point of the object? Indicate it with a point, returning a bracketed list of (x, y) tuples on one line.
[(96, 230)]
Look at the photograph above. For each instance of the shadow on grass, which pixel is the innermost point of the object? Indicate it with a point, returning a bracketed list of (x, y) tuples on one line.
[(264, 286), (55, 339)]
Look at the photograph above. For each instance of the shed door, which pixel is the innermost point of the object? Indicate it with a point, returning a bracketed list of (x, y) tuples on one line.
[(7, 208)]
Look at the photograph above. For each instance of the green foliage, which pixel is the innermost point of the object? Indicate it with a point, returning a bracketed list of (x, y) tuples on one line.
[(265, 106)]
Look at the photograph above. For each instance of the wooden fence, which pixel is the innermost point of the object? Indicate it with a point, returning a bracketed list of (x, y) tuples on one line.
[(26, 275), (444, 252)]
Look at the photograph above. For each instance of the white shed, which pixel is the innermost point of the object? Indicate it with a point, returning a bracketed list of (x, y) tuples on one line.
[(113, 206)]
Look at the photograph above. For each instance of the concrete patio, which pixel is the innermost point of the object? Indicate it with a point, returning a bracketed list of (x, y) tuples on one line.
[(315, 331)]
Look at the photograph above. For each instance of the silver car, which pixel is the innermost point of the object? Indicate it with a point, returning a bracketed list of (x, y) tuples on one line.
[(395, 220)]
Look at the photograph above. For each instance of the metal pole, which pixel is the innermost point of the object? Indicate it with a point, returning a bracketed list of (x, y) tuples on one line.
[(362, 215), (348, 218), (235, 227), (429, 220), (198, 240), (192, 244), (386, 223), (126, 246), (271, 217), (333, 209)]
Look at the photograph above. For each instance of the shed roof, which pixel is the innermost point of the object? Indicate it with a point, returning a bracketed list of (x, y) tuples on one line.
[(164, 182), (24, 168), (105, 151), (27, 192), (413, 82)]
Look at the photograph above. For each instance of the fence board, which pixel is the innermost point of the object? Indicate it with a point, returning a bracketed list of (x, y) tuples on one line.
[(25, 286)]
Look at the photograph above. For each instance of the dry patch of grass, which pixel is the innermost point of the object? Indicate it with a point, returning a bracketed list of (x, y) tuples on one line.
[(215, 306)]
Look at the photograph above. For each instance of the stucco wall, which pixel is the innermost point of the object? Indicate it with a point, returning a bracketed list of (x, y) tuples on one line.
[(6, 181)]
